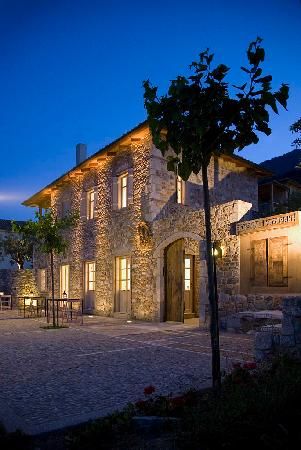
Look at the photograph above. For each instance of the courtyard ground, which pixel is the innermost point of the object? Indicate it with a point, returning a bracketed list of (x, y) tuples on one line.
[(57, 378)]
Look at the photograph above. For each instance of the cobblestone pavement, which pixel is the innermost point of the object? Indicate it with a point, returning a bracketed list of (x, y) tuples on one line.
[(57, 378)]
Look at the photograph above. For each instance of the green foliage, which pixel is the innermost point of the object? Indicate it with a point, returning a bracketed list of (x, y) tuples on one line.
[(48, 232), (18, 245), (296, 128), (198, 117)]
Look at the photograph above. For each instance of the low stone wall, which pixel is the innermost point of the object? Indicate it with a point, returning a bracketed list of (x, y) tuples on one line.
[(288, 339), (23, 283), (229, 304)]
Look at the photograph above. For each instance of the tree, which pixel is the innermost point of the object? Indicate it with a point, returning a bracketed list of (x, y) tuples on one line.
[(18, 245), (48, 235), (199, 117), (296, 128)]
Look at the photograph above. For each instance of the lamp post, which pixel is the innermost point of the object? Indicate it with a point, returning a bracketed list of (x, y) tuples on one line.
[(217, 254)]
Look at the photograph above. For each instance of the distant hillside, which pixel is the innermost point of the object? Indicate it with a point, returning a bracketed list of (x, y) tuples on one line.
[(283, 164)]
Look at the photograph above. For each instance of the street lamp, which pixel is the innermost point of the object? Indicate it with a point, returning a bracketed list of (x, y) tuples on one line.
[(217, 253)]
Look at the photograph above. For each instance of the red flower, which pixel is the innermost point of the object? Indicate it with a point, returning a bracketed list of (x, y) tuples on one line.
[(250, 365), (148, 390)]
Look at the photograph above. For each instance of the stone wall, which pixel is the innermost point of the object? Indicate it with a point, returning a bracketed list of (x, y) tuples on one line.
[(152, 218), (288, 340)]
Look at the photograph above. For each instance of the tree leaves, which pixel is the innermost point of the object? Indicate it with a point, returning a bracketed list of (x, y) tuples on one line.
[(199, 116)]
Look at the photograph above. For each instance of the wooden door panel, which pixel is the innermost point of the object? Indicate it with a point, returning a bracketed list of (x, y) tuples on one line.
[(259, 262), (278, 275), (174, 281)]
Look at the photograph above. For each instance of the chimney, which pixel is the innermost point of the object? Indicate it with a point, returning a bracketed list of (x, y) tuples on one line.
[(81, 153)]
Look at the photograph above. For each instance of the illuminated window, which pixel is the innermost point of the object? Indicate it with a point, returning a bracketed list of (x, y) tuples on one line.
[(64, 280), (90, 276), (90, 204), (180, 187), (42, 280), (187, 274), (124, 275), (123, 191)]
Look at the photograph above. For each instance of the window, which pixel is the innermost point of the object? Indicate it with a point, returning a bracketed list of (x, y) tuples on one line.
[(42, 277), (187, 274), (90, 204), (269, 265), (64, 280), (90, 276), (180, 188), (123, 191), (123, 273), (65, 208)]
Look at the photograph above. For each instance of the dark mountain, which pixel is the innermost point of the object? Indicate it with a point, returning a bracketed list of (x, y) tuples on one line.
[(284, 164)]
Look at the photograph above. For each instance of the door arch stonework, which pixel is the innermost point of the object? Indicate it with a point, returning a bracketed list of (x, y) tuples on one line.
[(159, 293)]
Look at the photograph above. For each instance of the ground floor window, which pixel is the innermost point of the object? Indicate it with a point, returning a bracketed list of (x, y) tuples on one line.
[(122, 283), (90, 276), (269, 265), (64, 280)]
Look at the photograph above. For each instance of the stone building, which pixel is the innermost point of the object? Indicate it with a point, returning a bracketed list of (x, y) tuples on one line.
[(138, 250)]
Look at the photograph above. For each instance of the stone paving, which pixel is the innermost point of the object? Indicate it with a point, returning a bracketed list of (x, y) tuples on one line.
[(56, 378)]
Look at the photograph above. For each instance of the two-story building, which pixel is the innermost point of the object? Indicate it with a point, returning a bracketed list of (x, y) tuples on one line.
[(138, 250)]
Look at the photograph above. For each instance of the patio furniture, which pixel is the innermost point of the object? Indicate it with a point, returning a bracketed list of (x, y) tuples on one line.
[(32, 306), (66, 310), (5, 302)]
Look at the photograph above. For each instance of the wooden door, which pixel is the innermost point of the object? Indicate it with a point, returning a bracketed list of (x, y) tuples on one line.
[(174, 276), (189, 284)]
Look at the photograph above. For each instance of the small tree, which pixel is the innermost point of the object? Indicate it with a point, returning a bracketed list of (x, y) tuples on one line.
[(199, 118), (296, 128), (48, 234), (18, 245)]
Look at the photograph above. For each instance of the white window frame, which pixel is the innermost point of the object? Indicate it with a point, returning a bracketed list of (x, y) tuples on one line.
[(187, 273), (90, 204), (123, 273), (180, 190), (90, 275), (123, 190)]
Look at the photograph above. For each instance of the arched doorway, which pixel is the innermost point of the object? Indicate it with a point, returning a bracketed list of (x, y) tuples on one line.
[(181, 277)]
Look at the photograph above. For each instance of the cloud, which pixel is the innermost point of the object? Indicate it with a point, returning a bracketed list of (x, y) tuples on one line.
[(11, 197)]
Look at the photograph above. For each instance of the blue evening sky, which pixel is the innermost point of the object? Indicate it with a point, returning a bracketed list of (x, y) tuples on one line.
[(71, 71)]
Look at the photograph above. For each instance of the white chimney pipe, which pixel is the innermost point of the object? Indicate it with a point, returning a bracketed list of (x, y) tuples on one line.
[(81, 153)]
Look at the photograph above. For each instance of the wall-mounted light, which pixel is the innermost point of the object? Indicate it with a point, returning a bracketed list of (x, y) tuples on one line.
[(217, 250)]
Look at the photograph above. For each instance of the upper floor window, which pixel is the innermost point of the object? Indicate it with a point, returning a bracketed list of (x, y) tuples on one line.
[(90, 204), (180, 189), (123, 191)]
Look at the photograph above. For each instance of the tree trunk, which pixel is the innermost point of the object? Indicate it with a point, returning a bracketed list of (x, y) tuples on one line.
[(214, 327), (52, 287)]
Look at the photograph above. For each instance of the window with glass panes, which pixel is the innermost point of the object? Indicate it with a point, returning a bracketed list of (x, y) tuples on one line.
[(123, 191), (124, 273), (187, 274), (90, 271), (90, 204), (180, 190)]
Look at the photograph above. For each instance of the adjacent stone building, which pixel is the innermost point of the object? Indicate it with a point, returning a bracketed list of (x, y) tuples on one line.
[(138, 250)]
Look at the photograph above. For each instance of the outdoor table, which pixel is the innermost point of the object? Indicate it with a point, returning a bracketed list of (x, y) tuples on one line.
[(34, 305), (65, 308), (5, 302)]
